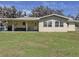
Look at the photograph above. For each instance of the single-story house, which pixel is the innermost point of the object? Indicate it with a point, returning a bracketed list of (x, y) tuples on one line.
[(49, 23)]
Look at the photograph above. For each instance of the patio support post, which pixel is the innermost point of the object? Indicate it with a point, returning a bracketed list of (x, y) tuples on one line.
[(26, 26), (13, 26), (5, 26)]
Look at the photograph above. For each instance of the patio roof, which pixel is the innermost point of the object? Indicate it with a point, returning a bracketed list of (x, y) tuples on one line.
[(22, 18)]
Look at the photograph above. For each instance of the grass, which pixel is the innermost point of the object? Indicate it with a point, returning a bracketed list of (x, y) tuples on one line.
[(38, 44)]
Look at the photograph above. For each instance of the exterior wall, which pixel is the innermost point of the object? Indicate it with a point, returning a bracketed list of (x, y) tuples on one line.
[(71, 27), (77, 29), (53, 28)]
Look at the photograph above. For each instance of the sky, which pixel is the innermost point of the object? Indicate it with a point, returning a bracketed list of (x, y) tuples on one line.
[(69, 7)]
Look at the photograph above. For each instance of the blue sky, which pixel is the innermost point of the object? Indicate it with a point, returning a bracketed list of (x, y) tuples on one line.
[(69, 7)]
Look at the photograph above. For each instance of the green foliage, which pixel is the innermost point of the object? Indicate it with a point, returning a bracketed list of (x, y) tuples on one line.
[(77, 17), (10, 12), (42, 11)]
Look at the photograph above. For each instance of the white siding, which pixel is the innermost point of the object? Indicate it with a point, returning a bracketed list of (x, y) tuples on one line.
[(53, 28), (71, 27)]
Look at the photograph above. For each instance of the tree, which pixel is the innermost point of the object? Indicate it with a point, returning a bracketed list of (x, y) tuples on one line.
[(77, 17), (24, 13), (60, 12), (10, 12), (19, 14), (13, 12), (38, 11), (71, 17), (42, 11)]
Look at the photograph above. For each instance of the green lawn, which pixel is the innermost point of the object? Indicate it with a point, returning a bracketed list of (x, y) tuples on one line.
[(39, 44)]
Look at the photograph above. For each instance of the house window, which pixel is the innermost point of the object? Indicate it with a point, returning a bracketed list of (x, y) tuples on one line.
[(57, 24), (45, 24), (49, 23), (61, 23)]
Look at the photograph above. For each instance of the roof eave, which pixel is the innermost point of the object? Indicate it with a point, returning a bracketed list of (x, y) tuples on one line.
[(55, 15), (19, 18)]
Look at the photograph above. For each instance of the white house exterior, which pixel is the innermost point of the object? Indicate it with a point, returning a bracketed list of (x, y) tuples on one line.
[(49, 23)]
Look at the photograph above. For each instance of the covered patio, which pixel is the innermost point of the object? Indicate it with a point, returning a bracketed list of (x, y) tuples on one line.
[(19, 24)]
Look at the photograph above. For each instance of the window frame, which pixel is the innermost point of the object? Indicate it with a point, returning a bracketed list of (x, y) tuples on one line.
[(49, 23), (61, 24), (45, 24), (57, 23), (67, 24)]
